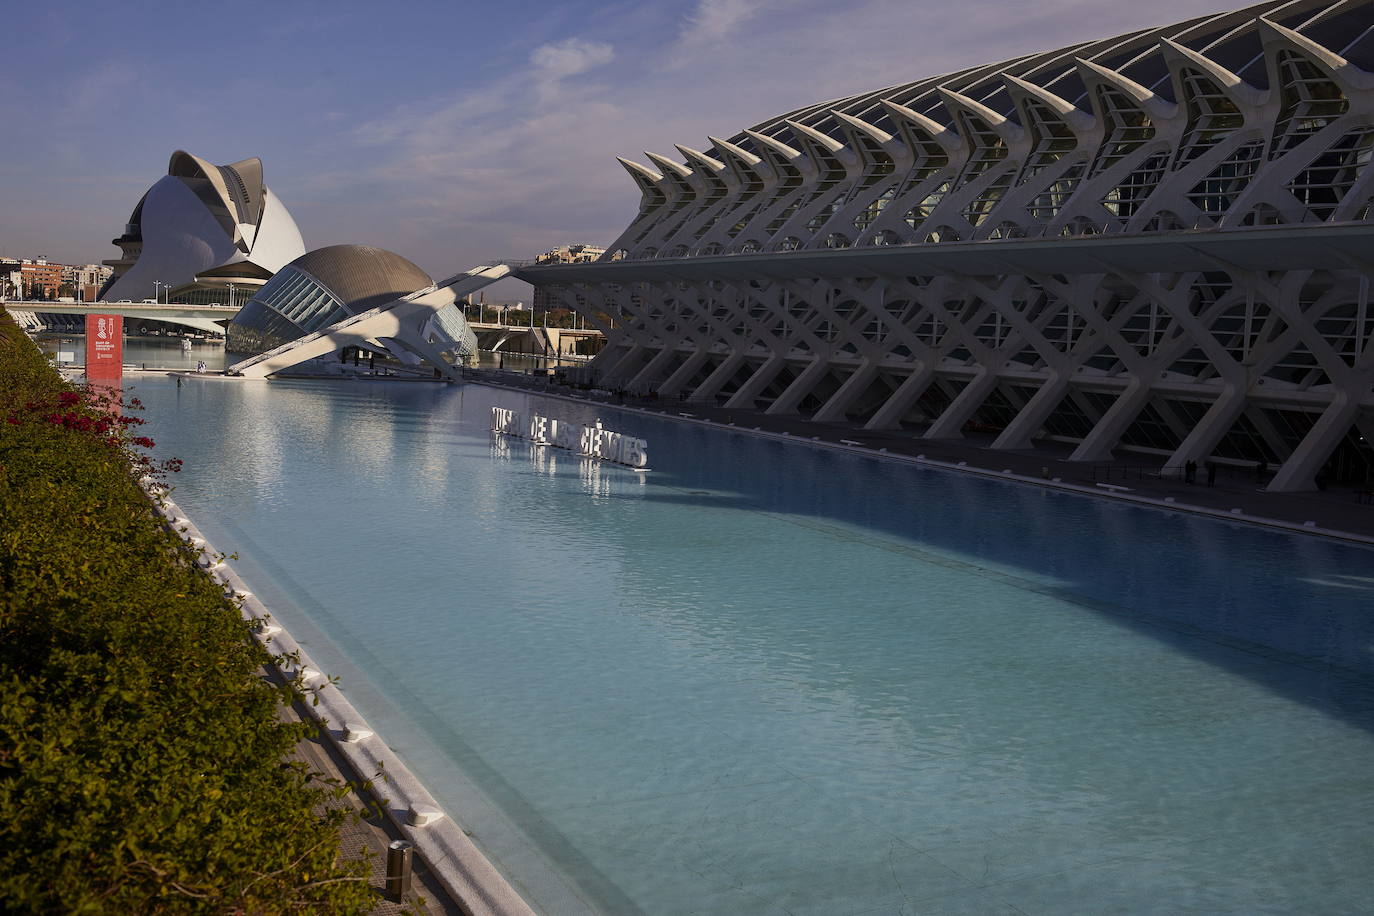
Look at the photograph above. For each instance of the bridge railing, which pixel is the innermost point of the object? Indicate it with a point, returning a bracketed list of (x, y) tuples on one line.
[(40, 305)]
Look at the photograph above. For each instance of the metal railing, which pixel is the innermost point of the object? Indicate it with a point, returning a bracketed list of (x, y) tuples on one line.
[(1110, 473)]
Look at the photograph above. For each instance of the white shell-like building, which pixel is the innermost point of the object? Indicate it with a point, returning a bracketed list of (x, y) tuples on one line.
[(1157, 242), (200, 229)]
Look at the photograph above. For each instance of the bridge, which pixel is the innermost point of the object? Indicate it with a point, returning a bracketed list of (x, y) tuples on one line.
[(533, 341), (210, 319)]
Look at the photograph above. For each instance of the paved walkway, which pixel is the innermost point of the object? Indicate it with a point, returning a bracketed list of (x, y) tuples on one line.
[(1338, 510), (370, 833)]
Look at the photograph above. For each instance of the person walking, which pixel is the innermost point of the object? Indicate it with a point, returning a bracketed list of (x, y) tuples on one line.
[(1190, 471)]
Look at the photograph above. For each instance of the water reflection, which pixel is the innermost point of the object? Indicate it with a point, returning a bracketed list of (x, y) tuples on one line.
[(764, 677)]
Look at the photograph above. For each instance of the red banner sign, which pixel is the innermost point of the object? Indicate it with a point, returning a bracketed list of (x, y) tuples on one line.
[(104, 347)]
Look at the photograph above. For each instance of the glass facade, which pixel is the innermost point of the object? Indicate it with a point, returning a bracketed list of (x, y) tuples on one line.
[(450, 321), (289, 306)]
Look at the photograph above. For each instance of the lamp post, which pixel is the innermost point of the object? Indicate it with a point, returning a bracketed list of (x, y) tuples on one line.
[(231, 295), (156, 284)]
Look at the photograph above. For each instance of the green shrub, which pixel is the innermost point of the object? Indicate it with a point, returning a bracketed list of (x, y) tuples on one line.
[(142, 760)]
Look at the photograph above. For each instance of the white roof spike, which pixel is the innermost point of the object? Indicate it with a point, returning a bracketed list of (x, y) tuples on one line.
[(774, 144), (1273, 33), (998, 122), (739, 152), (715, 165), (677, 168), (1139, 94), (827, 143), (877, 133), (1071, 113), (1176, 53), (642, 171), (938, 132)]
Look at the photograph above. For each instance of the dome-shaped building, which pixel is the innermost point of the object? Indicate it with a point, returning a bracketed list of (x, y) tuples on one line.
[(200, 230), (328, 285)]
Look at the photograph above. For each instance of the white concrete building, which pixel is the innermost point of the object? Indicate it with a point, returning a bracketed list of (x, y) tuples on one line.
[(1159, 241), (200, 230)]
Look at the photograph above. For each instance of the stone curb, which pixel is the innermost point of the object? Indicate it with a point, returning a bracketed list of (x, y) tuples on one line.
[(455, 861)]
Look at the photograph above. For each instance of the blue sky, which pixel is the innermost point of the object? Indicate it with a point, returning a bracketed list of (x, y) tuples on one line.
[(449, 132)]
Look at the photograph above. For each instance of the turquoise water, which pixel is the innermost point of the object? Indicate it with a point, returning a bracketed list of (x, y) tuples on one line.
[(771, 679)]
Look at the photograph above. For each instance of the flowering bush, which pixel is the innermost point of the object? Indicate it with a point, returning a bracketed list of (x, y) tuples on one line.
[(143, 764)]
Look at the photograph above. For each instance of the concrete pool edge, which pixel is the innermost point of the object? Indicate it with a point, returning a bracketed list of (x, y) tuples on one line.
[(467, 875), (1168, 504)]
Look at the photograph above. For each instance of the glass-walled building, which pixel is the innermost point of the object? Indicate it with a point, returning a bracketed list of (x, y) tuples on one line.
[(1154, 242), (329, 285)]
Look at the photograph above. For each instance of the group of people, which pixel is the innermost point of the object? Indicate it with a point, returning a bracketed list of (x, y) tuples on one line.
[(1190, 472)]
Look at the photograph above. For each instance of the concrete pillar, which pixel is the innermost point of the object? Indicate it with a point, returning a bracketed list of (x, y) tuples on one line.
[(1098, 444), (684, 373), (1019, 433), (801, 386), (835, 409), (889, 416), (625, 366), (718, 378), (950, 423), (744, 397), (1215, 423), (1299, 472), (652, 368)]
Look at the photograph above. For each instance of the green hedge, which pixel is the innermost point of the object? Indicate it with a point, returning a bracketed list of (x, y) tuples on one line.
[(142, 761)]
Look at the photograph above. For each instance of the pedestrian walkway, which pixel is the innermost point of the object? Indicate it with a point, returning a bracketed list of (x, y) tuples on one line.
[(370, 833)]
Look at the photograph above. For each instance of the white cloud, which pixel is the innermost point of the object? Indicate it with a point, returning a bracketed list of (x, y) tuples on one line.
[(715, 19), (568, 58)]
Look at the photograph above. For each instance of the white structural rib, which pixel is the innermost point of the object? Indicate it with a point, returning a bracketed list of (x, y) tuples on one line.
[(1044, 247), (1179, 56), (954, 101), (1147, 99), (1077, 119), (920, 128), (782, 149), (402, 321)]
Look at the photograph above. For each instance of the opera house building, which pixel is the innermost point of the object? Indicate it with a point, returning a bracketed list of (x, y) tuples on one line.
[(1160, 241), (200, 230)]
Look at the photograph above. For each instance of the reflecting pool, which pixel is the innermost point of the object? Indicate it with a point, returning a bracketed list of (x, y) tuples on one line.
[(766, 678)]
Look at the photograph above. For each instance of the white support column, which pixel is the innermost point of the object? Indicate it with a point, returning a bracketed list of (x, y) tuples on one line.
[(718, 378), (801, 386), (889, 416), (835, 409), (652, 368), (628, 363), (950, 423), (744, 397), (684, 373), (1215, 424), (1098, 444), (1299, 472), (1020, 432)]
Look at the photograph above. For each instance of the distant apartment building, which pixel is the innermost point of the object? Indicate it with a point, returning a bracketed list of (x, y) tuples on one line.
[(11, 279), (41, 280), (85, 280), (567, 254)]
